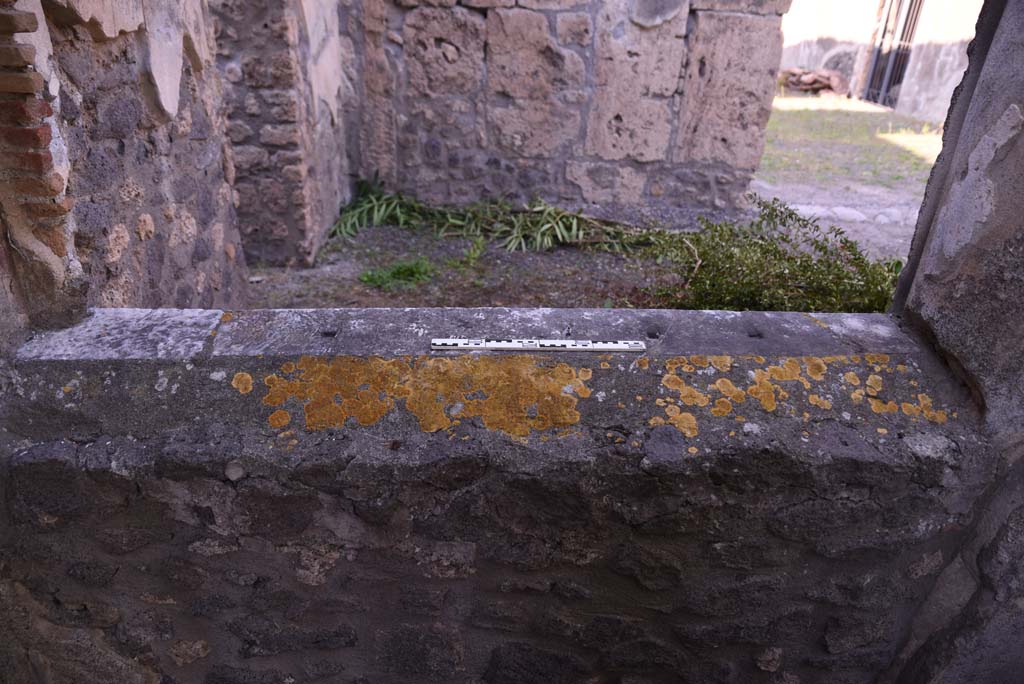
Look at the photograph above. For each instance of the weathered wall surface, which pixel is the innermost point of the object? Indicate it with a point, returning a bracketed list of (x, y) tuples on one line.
[(759, 498), (116, 187), (938, 58), (286, 93), (623, 105), (962, 288)]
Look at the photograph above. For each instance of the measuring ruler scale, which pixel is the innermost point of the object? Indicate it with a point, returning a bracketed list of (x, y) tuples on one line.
[(457, 343)]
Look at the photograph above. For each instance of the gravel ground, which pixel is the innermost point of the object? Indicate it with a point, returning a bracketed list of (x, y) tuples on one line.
[(568, 278), (852, 164)]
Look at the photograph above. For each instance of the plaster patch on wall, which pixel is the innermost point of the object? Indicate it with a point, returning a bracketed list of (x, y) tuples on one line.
[(972, 197)]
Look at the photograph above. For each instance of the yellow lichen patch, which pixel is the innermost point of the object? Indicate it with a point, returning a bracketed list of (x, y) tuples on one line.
[(659, 402), (643, 362), (288, 367), (763, 391), (857, 396), (722, 407), (882, 431), (816, 367), (901, 368), (690, 396), (721, 363), (928, 412), (817, 321), (879, 406), (820, 402), (731, 391), (877, 359), (874, 384), (789, 369), (834, 359), (850, 378), (279, 418), (242, 382), (699, 360), (605, 365), (509, 393), (684, 422), (912, 410), (656, 420), (226, 317), (693, 450), (585, 374)]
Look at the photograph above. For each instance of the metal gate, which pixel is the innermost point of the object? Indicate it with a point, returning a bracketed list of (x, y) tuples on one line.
[(898, 22)]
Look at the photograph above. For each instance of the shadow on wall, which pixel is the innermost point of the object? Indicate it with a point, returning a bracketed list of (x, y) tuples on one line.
[(924, 89)]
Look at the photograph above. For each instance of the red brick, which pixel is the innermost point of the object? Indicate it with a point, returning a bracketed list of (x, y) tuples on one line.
[(39, 186), (35, 137), (17, 55), (22, 82), (54, 238), (27, 161), (48, 209), (15, 21), (24, 111)]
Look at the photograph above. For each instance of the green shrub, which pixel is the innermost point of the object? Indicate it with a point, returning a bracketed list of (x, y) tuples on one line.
[(779, 261), (401, 274)]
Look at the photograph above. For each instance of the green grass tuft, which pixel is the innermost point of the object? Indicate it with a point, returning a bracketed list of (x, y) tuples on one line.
[(399, 275)]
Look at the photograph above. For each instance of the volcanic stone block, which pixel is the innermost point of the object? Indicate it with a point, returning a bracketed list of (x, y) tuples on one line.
[(728, 88), (444, 51)]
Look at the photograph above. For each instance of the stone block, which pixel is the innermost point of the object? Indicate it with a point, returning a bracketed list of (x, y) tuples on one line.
[(602, 183), (25, 111), (280, 136), (623, 127), (15, 21), (728, 88), (17, 55), (434, 653), (518, 663), (524, 61), (28, 161), (653, 13), (22, 82), (632, 61), (488, 4), (776, 7), (249, 158), (444, 51), (574, 28), (551, 4), (46, 185), (37, 137), (533, 128), (52, 209)]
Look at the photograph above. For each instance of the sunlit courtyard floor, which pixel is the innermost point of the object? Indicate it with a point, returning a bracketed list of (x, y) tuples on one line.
[(851, 163)]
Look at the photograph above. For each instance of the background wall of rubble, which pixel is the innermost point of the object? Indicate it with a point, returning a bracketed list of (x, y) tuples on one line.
[(617, 104), (116, 189), (288, 90)]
